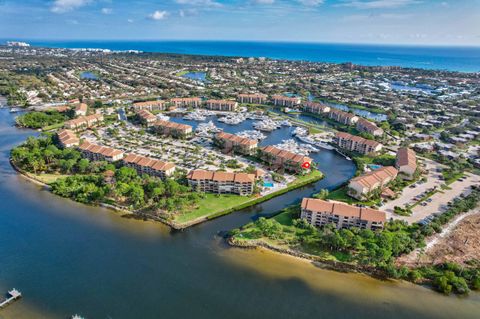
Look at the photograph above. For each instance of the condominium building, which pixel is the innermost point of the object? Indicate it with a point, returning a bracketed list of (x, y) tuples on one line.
[(81, 109), (221, 105), (221, 182), (406, 162), (362, 186), (146, 117), (84, 122), (229, 142), (256, 98), (150, 166), (280, 100), (96, 152), (366, 126), (150, 105), (315, 108), (279, 159), (343, 117), (319, 213), (67, 138), (356, 143), (186, 102), (172, 129)]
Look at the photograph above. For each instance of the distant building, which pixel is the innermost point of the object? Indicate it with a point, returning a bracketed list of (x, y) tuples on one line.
[(315, 108), (221, 105), (81, 109), (356, 143), (319, 213), (362, 186), (279, 159), (366, 126), (229, 142), (84, 122), (96, 152), (406, 162), (256, 98), (185, 102), (343, 117), (67, 138), (280, 100), (150, 166), (221, 182), (156, 105), (146, 117), (172, 129)]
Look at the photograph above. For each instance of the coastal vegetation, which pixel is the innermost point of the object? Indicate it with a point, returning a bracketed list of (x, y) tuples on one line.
[(41, 120), (363, 249)]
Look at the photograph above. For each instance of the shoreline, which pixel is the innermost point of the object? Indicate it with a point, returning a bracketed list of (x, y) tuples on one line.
[(173, 224)]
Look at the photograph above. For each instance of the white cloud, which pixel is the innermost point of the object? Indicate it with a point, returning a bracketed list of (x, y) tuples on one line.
[(106, 10), (311, 2), (130, 20), (62, 6), (187, 12), (378, 4), (203, 3), (264, 1), (158, 15)]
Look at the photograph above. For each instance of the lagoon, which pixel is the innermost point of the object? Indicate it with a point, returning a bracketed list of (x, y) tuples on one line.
[(69, 258)]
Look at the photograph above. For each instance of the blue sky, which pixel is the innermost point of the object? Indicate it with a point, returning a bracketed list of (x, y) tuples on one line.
[(451, 22)]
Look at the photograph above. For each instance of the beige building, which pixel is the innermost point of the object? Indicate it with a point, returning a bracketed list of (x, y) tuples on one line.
[(172, 129), (67, 138), (146, 117), (256, 98), (96, 152), (221, 105), (81, 109), (356, 143), (406, 163), (342, 117), (316, 108), (156, 105), (229, 142), (221, 182), (279, 159), (319, 213), (185, 102), (280, 100), (84, 122), (150, 166), (362, 186), (364, 125)]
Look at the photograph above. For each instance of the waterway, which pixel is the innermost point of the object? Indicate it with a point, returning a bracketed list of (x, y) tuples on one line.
[(69, 258)]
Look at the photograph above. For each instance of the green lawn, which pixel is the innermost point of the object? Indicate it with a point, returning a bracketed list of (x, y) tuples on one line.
[(213, 204), (342, 196), (53, 127), (48, 178)]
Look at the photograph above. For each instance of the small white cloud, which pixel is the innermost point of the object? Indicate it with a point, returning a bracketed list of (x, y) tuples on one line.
[(62, 6), (130, 20), (158, 15), (106, 10), (377, 4), (264, 1), (311, 3), (202, 3), (187, 12)]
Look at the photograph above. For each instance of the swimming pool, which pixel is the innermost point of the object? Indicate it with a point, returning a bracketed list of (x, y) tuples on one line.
[(267, 184), (375, 166)]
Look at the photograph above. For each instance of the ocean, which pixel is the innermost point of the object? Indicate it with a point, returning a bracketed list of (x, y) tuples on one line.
[(463, 59)]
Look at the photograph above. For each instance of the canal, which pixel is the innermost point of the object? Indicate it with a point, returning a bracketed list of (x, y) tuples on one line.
[(69, 258)]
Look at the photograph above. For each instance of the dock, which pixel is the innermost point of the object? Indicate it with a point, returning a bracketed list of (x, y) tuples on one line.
[(12, 295)]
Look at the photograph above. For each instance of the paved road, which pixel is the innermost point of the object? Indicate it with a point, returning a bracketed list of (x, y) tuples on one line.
[(440, 200), (433, 179)]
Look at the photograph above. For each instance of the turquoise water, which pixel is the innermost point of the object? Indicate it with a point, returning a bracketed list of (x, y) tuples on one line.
[(466, 59), (88, 76), (374, 166), (268, 184)]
